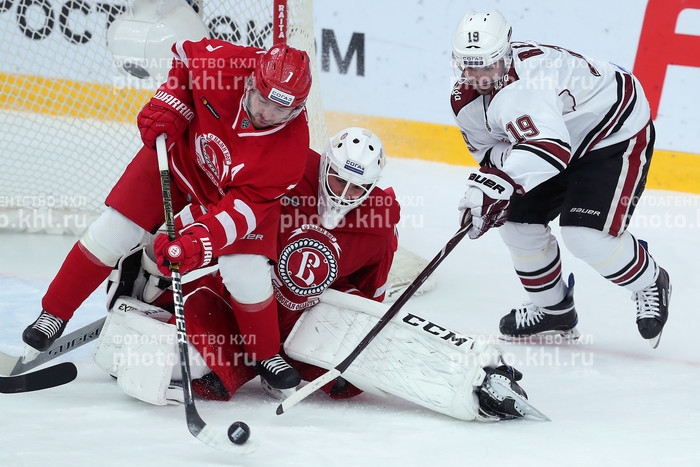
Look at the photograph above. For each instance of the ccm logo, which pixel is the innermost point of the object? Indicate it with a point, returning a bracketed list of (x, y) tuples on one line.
[(487, 182)]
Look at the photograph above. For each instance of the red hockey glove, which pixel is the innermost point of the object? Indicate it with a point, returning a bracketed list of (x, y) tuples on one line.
[(487, 199), (192, 250), (164, 113)]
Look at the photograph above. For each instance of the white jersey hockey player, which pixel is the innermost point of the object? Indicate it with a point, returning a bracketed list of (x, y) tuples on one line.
[(556, 134)]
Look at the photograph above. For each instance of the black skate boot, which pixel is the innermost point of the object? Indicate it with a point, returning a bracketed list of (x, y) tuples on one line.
[(502, 398), (278, 373), (652, 308), (532, 320), (44, 331)]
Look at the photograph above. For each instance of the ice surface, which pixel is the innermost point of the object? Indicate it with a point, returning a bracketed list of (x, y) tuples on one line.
[(612, 399)]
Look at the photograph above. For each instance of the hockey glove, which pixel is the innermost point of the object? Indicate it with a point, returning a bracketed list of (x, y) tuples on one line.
[(193, 250), (487, 199), (164, 113)]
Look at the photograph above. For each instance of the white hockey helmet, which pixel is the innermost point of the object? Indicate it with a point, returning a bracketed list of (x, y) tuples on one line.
[(482, 40), (351, 165), (140, 39)]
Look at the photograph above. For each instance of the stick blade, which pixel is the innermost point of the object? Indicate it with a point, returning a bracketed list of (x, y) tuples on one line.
[(8, 363), (219, 440), (45, 378), (306, 391)]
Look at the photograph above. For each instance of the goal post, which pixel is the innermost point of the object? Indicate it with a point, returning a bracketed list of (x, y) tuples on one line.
[(68, 111)]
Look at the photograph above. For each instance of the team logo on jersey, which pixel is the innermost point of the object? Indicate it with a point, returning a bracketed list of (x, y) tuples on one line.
[(307, 267), (245, 124), (213, 157)]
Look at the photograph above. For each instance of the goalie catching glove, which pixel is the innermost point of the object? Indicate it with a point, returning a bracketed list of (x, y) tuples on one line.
[(192, 249), (486, 200)]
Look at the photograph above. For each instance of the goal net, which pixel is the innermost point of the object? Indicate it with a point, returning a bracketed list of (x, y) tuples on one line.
[(68, 111)]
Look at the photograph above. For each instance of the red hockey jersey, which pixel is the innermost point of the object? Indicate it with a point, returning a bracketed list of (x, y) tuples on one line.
[(354, 257), (237, 172)]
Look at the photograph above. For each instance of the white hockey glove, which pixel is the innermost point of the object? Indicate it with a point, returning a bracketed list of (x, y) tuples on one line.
[(487, 199)]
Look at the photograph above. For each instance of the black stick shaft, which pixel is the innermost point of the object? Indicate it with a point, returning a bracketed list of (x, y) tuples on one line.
[(194, 421), (401, 301)]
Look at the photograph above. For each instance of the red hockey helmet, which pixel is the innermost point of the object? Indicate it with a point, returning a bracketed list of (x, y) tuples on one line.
[(283, 75)]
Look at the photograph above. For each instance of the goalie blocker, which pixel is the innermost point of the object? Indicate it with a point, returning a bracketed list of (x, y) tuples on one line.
[(412, 358)]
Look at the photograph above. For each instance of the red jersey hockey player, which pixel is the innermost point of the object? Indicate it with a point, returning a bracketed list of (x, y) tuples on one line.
[(336, 244), (337, 230), (556, 134), (238, 137)]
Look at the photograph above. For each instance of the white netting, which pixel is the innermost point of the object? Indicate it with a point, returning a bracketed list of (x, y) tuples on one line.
[(67, 114)]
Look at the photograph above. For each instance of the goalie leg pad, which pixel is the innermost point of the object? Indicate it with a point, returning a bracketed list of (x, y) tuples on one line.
[(147, 360), (139, 348), (136, 275), (411, 358), (155, 282), (113, 333), (122, 281)]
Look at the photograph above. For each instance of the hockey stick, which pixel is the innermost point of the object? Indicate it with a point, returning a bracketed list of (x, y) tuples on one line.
[(45, 378), (238, 433), (330, 375), (11, 365)]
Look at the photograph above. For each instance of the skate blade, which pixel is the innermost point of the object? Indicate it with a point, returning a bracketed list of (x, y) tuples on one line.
[(30, 353), (654, 341), (522, 405), (544, 338), (277, 394)]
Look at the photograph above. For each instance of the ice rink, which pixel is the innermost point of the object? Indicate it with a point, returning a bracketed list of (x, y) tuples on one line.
[(612, 400)]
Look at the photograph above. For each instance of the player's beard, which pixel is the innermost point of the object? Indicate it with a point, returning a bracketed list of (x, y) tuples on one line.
[(259, 123)]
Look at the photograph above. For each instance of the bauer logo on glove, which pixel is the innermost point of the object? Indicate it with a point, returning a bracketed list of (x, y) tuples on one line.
[(476, 177), (487, 199)]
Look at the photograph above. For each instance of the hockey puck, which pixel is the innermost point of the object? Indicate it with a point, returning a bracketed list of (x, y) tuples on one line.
[(238, 433)]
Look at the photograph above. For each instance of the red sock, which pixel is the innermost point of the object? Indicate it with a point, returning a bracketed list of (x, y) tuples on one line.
[(212, 329), (79, 276), (259, 328)]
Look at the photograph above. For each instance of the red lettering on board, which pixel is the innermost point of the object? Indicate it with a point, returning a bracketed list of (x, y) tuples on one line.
[(660, 46)]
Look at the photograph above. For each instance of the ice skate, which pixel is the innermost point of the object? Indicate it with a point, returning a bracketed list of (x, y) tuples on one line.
[(278, 373), (652, 308), (275, 393), (42, 333), (534, 323), (502, 398)]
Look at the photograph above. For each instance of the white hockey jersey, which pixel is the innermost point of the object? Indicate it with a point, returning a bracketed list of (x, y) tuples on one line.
[(554, 107)]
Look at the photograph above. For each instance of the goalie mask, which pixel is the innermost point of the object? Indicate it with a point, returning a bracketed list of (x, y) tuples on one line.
[(481, 51), (278, 86), (351, 165)]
